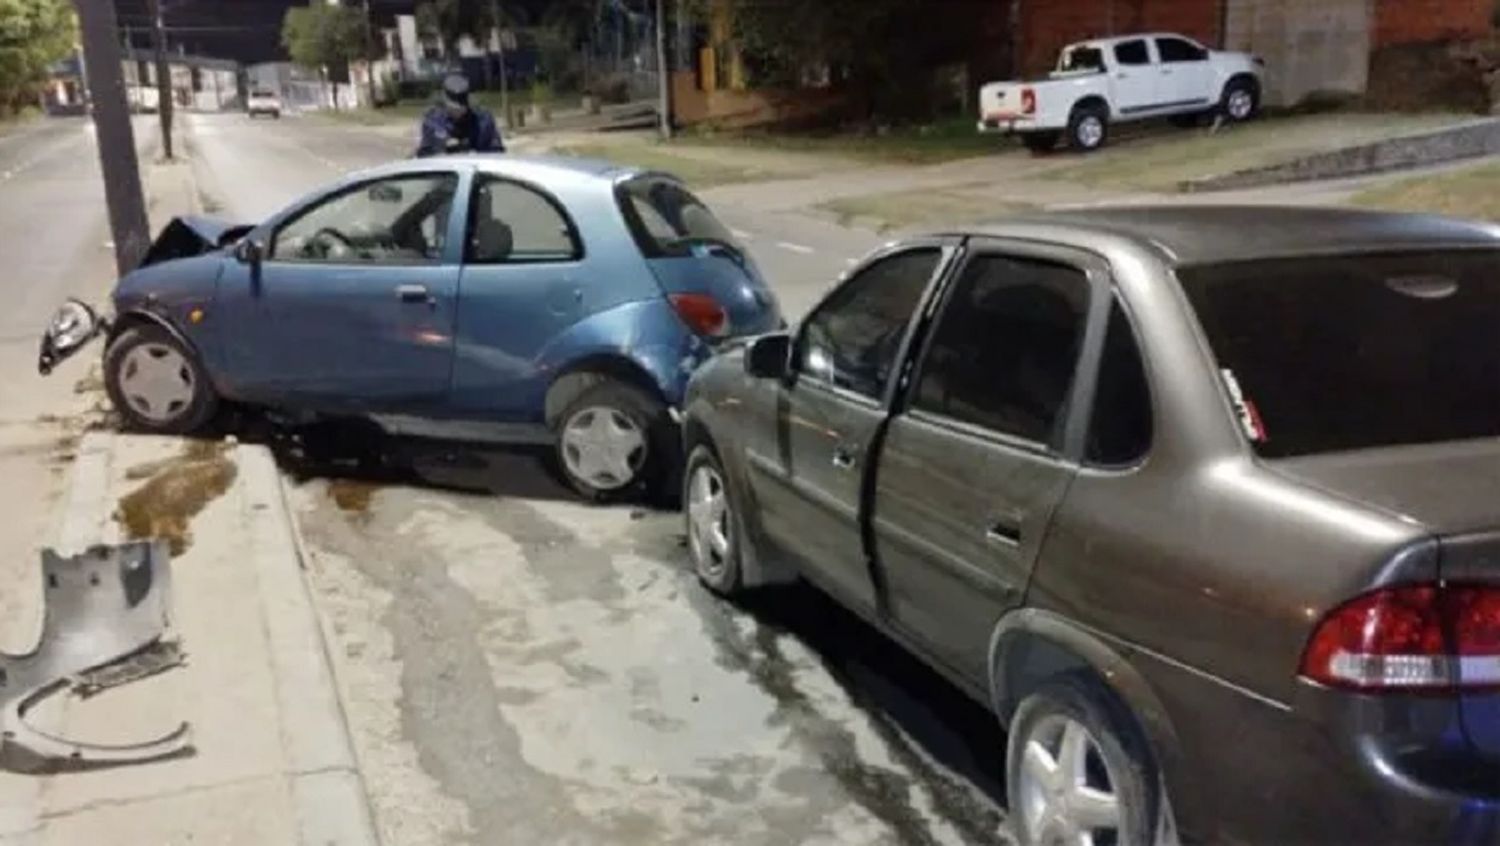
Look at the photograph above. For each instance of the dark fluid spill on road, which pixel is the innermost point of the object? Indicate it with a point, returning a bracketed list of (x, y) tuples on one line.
[(910, 707), (176, 490), (352, 496)]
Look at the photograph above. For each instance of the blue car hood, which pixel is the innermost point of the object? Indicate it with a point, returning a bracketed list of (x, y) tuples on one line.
[(193, 235)]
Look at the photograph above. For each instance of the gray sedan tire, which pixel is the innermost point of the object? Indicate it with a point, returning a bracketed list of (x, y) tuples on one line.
[(1076, 767), (157, 383), (714, 527)]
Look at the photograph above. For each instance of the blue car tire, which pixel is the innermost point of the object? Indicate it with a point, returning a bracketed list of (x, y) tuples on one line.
[(615, 441), (157, 384)]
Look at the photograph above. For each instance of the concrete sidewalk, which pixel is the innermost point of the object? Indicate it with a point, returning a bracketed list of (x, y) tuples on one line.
[(273, 761)]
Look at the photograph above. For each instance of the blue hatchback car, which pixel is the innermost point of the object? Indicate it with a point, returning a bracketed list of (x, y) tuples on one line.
[(501, 299)]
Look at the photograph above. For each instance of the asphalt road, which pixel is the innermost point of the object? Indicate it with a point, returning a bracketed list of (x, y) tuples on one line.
[(54, 238), (54, 243), (520, 668)]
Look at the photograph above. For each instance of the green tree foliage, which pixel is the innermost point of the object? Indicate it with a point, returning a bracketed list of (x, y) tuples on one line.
[(450, 20), (324, 37), (33, 35)]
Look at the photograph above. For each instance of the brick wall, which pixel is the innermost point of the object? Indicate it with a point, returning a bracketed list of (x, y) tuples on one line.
[(1422, 21), (1048, 25)]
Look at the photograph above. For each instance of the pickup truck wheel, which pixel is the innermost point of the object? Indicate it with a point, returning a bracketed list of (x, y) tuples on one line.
[(615, 440), (1040, 142), (1241, 100), (157, 384), (1076, 772), (1088, 128)]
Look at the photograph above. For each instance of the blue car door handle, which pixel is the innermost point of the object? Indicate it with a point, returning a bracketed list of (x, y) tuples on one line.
[(413, 294)]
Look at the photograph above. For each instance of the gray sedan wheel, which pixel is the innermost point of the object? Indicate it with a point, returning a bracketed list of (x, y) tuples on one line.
[(712, 523), (1076, 773)]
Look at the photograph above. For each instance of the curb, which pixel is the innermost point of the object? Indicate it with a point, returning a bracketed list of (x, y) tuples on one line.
[(327, 787), (1467, 141)]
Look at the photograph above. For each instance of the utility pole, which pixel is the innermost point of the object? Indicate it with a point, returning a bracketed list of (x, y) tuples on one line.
[(163, 78), (664, 110), (370, 53), (112, 133), (504, 74)]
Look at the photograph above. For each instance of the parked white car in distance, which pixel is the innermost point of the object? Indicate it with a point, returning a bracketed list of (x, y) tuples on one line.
[(263, 103), (1115, 80)]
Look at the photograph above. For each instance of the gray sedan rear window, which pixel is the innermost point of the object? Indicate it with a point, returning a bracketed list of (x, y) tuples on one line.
[(1353, 352)]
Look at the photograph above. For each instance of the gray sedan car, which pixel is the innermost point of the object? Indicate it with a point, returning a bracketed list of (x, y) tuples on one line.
[(1204, 503)]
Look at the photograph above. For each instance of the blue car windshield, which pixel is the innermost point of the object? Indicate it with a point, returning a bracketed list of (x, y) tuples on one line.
[(668, 221)]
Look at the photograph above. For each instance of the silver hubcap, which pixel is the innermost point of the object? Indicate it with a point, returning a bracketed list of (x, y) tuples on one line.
[(603, 447), (708, 522), (1091, 132), (157, 382), (1240, 104), (1067, 791)]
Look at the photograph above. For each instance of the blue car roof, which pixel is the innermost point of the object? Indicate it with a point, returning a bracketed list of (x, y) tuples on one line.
[(532, 168)]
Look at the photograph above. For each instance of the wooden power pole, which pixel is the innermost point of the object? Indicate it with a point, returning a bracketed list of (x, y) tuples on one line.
[(113, 134), (662, 65)]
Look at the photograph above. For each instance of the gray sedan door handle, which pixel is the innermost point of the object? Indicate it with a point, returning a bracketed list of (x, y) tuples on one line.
[(413, 294), (1005, 532), (843, 458)]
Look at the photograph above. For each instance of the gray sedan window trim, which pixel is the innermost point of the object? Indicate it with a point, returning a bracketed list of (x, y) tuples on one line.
[(1079, 406), (948, 252), (1117, 298)]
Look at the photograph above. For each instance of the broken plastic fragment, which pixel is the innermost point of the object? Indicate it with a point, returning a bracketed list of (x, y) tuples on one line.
[(104, 619)]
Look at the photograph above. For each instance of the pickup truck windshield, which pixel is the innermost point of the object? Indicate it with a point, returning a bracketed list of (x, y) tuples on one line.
[(1354, 352)]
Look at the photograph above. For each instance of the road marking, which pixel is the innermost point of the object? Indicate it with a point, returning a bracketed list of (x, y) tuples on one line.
[(796, 248), (742, 234), (851, 262)]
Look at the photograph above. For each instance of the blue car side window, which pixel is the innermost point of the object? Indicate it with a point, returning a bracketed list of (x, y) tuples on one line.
[(515, 224), (401, 220)]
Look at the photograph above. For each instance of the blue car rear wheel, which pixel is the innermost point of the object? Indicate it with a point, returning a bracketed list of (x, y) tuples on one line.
[(615, 441)]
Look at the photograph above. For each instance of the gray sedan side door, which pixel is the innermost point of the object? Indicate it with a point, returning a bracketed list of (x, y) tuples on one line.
[(831, 411), (983, 447)]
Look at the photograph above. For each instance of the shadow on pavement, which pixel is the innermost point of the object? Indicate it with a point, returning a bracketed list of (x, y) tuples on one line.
[(886, 680), (901, 693), (356, 451)]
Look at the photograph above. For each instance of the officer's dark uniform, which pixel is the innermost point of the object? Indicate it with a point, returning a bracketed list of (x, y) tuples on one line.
[(456, 127)]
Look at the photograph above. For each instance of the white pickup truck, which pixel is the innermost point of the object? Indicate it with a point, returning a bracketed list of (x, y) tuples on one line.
[(1114, 80)]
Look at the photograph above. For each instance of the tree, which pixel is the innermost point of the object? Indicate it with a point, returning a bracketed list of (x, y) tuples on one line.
[(883, 50), (320, 37), (33, 35), (450, 20)]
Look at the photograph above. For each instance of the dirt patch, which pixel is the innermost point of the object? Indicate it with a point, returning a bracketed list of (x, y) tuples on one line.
[(177, 490), (90, 384), (351, 495)]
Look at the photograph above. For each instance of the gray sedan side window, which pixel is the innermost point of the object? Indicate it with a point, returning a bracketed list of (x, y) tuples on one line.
[(852, 340), (1122, 426), (1006, 349)]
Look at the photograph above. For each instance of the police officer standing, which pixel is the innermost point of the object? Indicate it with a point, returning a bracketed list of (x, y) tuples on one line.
[(455, 126)]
